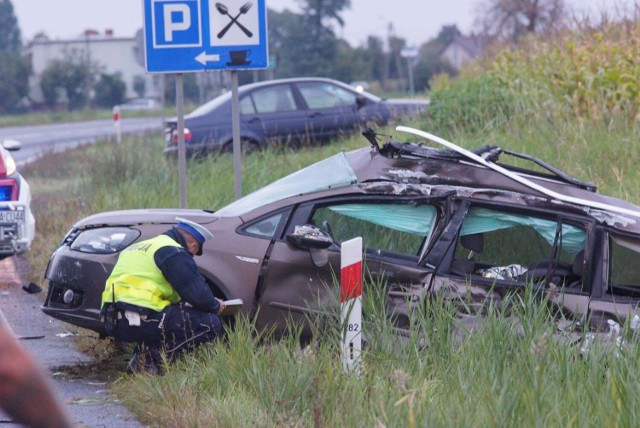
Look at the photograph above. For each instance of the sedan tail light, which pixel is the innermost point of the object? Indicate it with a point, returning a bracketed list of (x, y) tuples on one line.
[(174, 135)]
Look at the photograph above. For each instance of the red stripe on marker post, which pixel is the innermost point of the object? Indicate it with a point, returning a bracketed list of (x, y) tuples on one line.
[(351, 304), (351, 281)]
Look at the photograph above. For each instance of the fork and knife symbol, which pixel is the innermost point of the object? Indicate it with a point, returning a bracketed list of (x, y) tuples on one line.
[(224, 10)]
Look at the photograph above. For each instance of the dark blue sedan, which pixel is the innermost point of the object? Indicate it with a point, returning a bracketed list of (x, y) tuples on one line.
[(288, 111)]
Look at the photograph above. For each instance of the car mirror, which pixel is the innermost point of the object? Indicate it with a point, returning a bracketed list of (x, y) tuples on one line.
[(11, 145), (360, 101), (309, 236)]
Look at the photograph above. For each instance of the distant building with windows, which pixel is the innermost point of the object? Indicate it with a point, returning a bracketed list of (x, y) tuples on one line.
[(115, 55), (463, 49)]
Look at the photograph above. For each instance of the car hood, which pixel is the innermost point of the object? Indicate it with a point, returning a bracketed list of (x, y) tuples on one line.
[(145, 216)]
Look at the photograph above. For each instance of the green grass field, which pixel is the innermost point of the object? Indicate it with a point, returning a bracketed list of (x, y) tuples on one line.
[(512, 372)]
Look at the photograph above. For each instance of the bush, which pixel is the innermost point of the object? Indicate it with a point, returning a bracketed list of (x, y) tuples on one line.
[(110, 90), (476, 103)]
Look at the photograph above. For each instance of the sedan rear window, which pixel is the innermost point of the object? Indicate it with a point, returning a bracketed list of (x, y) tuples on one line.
[(273, 99), (326, 95)]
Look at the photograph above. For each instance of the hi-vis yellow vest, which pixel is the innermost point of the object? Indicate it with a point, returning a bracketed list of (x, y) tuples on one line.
[(137, 279)]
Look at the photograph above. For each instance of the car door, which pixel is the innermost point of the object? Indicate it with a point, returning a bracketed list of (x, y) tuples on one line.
[(495, 250), (331, 109), (273, 112), (616, 294), (297, 284)]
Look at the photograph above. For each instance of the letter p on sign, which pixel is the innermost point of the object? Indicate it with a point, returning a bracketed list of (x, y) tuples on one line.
[(176, 18)]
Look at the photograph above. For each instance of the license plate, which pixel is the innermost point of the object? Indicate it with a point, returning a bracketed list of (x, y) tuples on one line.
[(11, 216)]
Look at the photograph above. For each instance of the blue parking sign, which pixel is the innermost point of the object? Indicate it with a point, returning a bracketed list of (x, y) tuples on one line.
[(198, 35), (173, 23)]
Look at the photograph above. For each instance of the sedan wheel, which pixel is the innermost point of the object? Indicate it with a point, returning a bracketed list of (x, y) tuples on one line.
[(248, 146)]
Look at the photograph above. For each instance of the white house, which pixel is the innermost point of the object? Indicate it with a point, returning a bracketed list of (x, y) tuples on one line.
[(121, 55), (463, 49)]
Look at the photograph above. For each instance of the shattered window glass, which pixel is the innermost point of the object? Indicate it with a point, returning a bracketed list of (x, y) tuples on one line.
[(624, 259), (331, 172), (493, 242), (384, 228)]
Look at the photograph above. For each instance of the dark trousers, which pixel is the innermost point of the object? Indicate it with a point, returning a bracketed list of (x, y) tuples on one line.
[(176, 329)]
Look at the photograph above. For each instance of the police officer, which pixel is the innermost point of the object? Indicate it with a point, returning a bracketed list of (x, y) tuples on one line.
[(156, 297)]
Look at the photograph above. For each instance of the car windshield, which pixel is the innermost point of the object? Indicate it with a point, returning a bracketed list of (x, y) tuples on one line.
[(211, 105), (331, 172)]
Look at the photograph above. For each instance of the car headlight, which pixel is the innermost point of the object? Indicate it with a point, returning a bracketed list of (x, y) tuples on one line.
[(104, 240)]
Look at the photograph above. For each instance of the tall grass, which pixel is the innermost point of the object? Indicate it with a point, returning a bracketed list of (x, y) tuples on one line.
[(513, 370)]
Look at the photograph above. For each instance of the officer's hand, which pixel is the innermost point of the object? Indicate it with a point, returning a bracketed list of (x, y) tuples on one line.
[(222, 305)]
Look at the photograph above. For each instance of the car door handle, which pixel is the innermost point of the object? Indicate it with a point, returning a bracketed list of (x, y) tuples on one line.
[(253, 120), (315, 114)]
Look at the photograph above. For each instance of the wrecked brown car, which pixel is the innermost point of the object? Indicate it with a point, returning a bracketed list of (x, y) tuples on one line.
[(447, 222)]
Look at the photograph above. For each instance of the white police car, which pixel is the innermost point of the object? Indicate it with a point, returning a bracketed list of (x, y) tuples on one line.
[(17, 224)]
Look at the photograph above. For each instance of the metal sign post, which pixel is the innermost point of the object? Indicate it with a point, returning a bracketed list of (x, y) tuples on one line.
[(235, 125), (410, 54), (182, 158), (182, 36)]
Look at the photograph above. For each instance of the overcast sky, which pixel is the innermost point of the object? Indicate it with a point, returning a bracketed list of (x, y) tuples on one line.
[(414, 20)]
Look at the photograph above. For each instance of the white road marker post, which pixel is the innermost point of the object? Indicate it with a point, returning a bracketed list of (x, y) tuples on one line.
[(351, 304), (116, 123)]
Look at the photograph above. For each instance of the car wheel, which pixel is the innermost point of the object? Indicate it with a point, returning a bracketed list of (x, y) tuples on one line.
[(247, 145)]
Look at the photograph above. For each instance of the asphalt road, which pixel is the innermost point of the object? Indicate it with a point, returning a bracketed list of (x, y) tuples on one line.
[(88, 398), (40, 140), (76, 375)]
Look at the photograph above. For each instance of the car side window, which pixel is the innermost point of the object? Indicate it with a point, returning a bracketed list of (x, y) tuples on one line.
[(511, 246), (386, 229), (325, 95), (246, 106), (624, 259), (264, 228), (278, 98)]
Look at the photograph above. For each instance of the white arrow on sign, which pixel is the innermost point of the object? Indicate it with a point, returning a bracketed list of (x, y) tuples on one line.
[(203, 58)]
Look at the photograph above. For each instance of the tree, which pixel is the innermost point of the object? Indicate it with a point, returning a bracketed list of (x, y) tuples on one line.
[(74, 76), (110, 90), (14, 85), (14, 69), (10, 37), (318, 11), (189, 87), (298, 51), (509, 20), (139, 86), (430, 61)]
